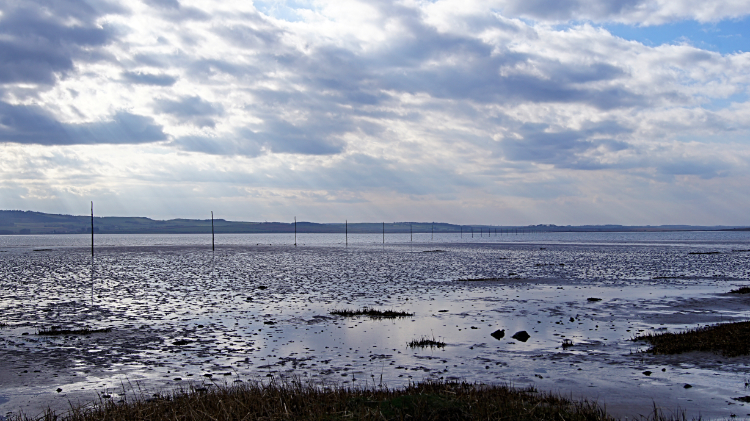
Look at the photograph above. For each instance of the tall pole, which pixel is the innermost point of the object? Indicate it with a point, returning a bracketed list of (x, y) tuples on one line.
[(347, 232), (92, 228), (213, 242), (433, 232), (295, 231), (411, 234), (462, 231), (383, 232)]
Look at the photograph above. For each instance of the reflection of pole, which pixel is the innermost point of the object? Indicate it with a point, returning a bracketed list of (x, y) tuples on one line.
[(295, 231), (92, 229), (213, 242)]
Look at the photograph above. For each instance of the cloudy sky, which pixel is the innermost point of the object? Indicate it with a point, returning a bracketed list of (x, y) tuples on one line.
[(465, 111)]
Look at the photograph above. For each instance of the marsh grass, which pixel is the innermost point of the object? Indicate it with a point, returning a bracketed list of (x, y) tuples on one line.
[(57, 330), (728, 339), (371, 312), (425, 342), (296, 400), (741, 290)]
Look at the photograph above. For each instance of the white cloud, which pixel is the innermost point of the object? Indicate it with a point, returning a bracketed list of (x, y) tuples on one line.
[(457, 110)]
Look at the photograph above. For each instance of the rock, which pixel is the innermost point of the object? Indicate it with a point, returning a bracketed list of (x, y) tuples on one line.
[(498, 334), (262, 287), (593, 299), (59, 390), (522, 336), (687, 386), (648, 373)]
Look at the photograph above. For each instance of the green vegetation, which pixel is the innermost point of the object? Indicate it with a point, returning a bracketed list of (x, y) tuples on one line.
[(372, 313), (14, 222), (295, 400), (728, 339)]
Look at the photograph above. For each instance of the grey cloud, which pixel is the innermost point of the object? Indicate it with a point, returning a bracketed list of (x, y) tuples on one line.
[(570, 10), (565, 148), (38, 43), (174, 11), (149, 78), (191, 110), (229, 145), (33, 125)]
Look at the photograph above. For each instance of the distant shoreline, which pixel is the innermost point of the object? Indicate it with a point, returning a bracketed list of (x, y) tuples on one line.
[(34, 223)]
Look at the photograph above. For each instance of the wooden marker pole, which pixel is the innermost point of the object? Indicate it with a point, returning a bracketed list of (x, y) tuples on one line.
[(383, 232), (347, 232), (295, 231), (433, 232), (92, 229), (411, 234), (213, 241)]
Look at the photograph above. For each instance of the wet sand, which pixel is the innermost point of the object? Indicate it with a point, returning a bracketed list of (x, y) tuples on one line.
[(182, 315)]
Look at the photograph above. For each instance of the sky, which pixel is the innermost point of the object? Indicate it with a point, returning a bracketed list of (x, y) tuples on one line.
[(509, 112)]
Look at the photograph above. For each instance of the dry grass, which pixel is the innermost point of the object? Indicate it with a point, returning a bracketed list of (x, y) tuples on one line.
[(728, 339), (425, 342), (372, 313), (295, 400), (57, 330)]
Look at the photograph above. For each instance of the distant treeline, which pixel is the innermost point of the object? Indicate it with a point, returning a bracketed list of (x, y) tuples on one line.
[(13, 222)]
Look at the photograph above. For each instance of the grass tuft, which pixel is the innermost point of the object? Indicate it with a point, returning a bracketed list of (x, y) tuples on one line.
[(57, 330), (728, 339), (425, 342), (371, 312), (296, 400)]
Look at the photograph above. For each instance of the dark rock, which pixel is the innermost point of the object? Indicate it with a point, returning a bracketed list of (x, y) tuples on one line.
[(262, 287), (268, 322), (648, 373), (498, 334), (442, 311), (182, 342), (59, 390), (522, 336), (593, 299), (687, 386)]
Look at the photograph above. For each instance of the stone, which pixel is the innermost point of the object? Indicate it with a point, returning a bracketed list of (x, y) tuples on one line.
[(522, 336), (498, 334)]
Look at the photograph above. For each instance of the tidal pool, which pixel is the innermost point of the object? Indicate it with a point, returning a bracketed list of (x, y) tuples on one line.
[(259, 308)]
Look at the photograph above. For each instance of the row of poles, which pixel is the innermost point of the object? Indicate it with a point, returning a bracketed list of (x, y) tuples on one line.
[(346, 232)]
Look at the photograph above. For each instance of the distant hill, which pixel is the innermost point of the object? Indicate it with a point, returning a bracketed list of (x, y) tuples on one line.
[(14, 222)]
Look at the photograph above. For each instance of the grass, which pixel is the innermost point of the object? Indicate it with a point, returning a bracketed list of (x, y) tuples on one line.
[(57, 330), (425, 342), (741, 290), (728, 339), (296, 400), (371, 312)]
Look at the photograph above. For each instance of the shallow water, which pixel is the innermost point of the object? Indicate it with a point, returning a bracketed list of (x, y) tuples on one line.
[(258, 308)]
